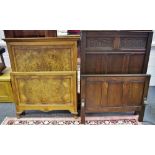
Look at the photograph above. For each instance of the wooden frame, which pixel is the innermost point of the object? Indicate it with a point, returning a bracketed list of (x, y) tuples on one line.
[(115, 52), (29, 33), (111, 62), (44, 73), (113, 93), (41, 91), (43, 53)]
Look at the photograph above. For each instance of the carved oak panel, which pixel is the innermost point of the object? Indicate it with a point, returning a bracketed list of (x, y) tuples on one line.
[(133, 43), (99, 42), (114, 63), (101, 92), (115, 52)]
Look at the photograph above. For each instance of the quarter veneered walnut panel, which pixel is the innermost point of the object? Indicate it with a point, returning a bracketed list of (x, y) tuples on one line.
[(44, 90), (42, 58)]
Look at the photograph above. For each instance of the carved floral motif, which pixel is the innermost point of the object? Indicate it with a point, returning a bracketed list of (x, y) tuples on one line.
[(100, 42), (133, 43)]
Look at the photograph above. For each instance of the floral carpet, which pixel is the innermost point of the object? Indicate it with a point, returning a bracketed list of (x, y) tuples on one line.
[(110, 120)]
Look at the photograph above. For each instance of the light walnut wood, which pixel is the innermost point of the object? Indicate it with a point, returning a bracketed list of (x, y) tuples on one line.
[(52, 54), (44, 73), (45, 91)]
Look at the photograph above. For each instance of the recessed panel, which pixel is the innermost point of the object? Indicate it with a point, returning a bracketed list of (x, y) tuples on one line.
[(133, 43), (93, 94), (42, 58), (44, 89)]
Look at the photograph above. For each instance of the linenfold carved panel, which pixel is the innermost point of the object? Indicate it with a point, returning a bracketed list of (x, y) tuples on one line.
[(115, 52), (42, 58), (114, 63)]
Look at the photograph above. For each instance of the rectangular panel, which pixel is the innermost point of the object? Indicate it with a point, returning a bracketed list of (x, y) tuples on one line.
[(115, 52), (53, 54), (136, 91), (114, 91), (42, 58), (133, 43), (115, 63), (93, 94), (104, 63), (93, 64), (45, 88), (96, 42), (136, 62)]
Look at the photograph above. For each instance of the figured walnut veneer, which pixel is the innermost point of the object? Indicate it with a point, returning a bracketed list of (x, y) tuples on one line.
[(42, 55), (45, 91), (44, 73)]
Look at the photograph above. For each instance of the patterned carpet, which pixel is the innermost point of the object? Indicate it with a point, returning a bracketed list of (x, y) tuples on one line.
[(112, 120)]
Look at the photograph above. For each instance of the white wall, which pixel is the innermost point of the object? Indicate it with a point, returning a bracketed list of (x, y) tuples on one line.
[(151, 65)]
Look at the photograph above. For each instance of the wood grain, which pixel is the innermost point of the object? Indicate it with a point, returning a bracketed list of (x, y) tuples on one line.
[(44, 55), (115, 52), (44, 73), (109, 92), (46, 89)]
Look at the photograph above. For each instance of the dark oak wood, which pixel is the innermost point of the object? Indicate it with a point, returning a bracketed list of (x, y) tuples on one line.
[(82, 111), (115, 52), (29, 33), (114, 93), (113, 68)]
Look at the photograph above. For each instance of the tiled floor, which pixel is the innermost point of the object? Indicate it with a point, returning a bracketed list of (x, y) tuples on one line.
[(8, 110)]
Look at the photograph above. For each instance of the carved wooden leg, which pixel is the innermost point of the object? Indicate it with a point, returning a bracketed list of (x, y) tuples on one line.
[(75, 115), (82, 112), (18, 114), (141, 113), (136, 113), (23, 113)]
